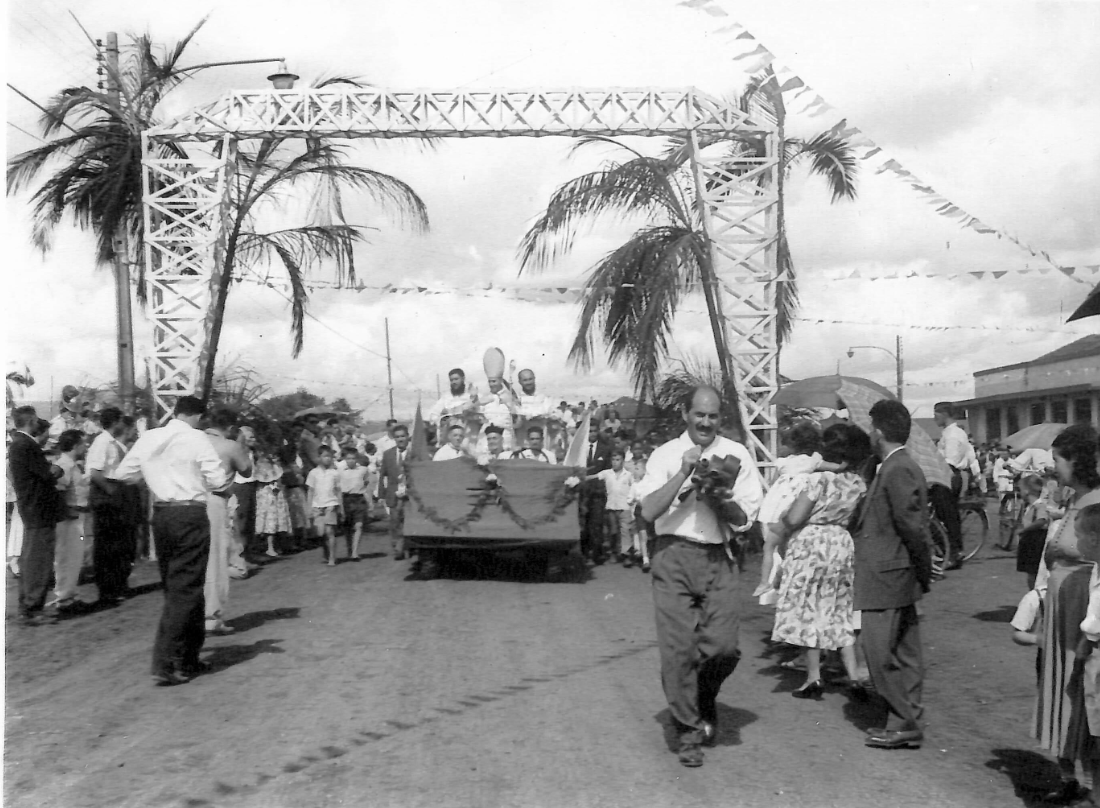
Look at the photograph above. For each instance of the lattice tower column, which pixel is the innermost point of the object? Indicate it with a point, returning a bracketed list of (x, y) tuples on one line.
[(184, 198), (739, 204)]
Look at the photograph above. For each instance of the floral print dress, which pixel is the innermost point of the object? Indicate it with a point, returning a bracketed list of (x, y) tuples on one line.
[(814, 609)]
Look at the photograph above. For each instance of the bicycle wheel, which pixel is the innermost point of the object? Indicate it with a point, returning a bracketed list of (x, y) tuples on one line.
[(1010, 525), (939, 546), (975, 528)]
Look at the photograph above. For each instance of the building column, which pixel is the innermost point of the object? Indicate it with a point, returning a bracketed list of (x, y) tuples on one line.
[(1094, 400), (1048, 414), (1004, 421)]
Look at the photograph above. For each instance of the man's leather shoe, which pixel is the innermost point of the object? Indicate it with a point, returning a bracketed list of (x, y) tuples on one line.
[(39, 619), (196, 668), (895, 739), (1070, 792), (170, 677), (710, 734), (955, 563), (690, 754)]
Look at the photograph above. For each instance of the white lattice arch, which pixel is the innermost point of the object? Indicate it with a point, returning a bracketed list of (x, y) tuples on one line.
[(185, 200)]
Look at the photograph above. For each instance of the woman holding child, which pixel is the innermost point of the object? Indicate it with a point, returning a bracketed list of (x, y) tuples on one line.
[(814, 609), (1060, 723)]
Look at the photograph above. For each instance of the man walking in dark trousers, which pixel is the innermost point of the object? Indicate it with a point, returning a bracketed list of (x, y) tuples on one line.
[(34, 480), (180, 466), (893, 567), (695, 586), (114, 548)]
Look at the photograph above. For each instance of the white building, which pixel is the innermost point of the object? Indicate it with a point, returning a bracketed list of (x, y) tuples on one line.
[(1062, 386)]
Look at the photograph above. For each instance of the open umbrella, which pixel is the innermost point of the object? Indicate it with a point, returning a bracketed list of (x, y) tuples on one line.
[(1036, 436), (858, 395), (825, 391), (1089, 308), (320, 412)]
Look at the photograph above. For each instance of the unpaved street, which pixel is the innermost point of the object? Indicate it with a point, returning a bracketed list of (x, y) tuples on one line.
[(354, 686)]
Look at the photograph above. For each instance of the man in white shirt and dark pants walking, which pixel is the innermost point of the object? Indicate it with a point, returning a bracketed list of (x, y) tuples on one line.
[(695, 582), (181, 468)]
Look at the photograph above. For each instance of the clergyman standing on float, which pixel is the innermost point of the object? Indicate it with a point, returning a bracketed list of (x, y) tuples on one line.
[(695, 578), (453, 408)]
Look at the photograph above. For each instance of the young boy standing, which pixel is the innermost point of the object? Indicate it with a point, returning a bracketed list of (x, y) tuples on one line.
[(617, 516), (73, 487), (324, 500), (354, 480)]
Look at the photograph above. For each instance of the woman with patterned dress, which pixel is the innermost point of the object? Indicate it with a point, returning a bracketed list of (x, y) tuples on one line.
[(1060, 723), (814, 610), (272, 510)]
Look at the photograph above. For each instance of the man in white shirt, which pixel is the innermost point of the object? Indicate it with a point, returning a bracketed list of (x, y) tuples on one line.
[(114, 548), (181, 468), (453, 447), (955, 447), (1032, 461), (534, 450), (494, 446), (453, 407), (536, 409), (694, 580)]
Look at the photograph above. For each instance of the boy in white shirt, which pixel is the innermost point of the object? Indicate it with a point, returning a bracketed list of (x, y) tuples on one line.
[(354, 484), (619, 482), (74, 487), (325, 501)]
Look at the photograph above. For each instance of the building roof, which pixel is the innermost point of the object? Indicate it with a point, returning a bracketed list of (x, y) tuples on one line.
[(1078, 349), (1025, 396)]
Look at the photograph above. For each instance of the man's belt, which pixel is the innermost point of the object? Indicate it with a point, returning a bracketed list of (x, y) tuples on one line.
[(360, 496), (179, 503)]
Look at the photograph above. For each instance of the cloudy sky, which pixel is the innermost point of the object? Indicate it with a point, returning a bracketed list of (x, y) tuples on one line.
[(989, 102)]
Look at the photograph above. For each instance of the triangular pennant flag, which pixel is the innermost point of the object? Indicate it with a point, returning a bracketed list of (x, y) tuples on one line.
[(757, 51), (694, 3), (871, 153), (745, 35), (791, 84), (715, 11), (729, 29)]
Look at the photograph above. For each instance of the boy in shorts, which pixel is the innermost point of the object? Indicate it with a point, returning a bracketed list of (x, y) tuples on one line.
[(354, 480), (325, 502)]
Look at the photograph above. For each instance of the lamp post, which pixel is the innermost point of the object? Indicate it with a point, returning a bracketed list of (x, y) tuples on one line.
[(898, 361)]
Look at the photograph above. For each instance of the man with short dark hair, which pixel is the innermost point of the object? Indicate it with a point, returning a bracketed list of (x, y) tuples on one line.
[(534, 450), (392, 488), (454, 407), (893, 567), (695, 580), (114, 548), (181, 468), (592, 495), (34, 480)]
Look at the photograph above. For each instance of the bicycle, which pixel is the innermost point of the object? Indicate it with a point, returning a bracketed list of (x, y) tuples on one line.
[(974, 527), (1011, 516)]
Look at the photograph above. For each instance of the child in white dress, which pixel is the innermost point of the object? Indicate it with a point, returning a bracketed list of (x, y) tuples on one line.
[(801, 443)]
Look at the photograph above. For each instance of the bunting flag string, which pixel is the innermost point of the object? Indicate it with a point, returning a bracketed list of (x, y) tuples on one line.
[(570, 294), (757, 57), (573, 292)]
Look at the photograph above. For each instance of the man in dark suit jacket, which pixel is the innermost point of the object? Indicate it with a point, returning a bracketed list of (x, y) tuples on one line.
[(592, 496), (391, 487), (893, 568), (34, 480)]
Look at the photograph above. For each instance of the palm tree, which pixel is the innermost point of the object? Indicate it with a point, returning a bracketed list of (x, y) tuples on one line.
[(311, 169), (631, 295), (98, 183)]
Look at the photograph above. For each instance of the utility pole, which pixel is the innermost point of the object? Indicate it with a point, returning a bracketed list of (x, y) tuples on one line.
[(389, 368), (900, 367), (438, 389), (123, 315)]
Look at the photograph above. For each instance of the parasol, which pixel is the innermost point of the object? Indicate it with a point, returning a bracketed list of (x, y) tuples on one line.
[(320, 412), (1089, 308), (824, 391), (858, 395), (1036, 436)]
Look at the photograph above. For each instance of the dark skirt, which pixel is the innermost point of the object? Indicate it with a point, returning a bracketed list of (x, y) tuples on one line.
[(1029, 551)]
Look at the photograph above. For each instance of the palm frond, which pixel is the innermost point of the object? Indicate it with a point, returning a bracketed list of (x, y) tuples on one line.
[(833, 159), (642, 186), (630, 298)]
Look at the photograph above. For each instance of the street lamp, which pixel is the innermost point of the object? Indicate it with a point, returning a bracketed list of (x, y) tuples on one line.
[(284, 79), (897, 361)]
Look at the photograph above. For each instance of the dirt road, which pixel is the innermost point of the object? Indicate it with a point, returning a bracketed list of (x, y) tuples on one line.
[(354, 686)]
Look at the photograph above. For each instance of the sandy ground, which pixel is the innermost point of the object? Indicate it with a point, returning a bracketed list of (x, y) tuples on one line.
[(356, 686)]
